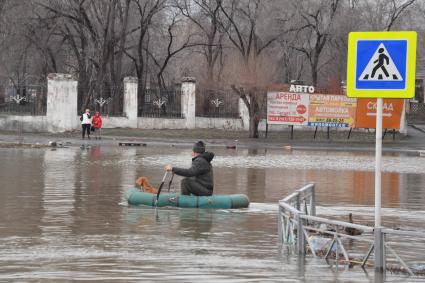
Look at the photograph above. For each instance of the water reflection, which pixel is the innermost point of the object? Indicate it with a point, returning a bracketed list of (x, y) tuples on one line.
[(192, 223), (128, 173), (21, 185), (196, 223), (68, 215), (412, 193), (59, 191)]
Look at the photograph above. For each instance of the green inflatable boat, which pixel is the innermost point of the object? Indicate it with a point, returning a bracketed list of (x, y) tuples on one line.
[(136, 197)]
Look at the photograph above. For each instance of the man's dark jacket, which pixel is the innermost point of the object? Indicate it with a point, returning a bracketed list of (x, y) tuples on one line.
[(201, 170)]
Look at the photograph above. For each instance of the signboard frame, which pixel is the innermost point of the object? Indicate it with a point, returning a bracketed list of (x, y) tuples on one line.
[(391, 91)]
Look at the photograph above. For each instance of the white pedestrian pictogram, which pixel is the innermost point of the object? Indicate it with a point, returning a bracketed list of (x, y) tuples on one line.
[(381, 67)]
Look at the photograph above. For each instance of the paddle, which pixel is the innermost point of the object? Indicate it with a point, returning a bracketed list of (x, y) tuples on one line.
[(169, 183), (160, 186)]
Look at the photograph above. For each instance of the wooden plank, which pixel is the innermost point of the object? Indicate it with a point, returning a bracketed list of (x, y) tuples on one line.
[(131, 144)]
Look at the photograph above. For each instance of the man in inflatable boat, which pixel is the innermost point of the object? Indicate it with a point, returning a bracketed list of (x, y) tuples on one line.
[(199, 177)]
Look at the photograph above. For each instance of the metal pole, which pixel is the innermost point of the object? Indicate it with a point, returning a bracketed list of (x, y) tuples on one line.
[(300, 235), (378, 162), (267, 128), (313, 200), (378, 239), (298, 201), (349, 133), (279, 225), (379, 250)]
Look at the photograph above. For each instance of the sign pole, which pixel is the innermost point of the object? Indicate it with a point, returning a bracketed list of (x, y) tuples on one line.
[(378, 162), (381, 65)]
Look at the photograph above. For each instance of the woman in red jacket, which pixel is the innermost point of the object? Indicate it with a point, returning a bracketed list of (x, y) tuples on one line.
[(97, 125)]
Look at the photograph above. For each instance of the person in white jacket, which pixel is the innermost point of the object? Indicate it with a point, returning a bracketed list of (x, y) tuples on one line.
[(86, 123)]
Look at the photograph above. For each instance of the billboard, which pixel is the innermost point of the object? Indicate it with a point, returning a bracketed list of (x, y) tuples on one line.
[(287, 108), (391, 115), (328, 110)]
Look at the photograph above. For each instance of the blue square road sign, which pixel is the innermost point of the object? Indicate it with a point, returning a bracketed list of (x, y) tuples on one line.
[(381, 64), (389, 65)]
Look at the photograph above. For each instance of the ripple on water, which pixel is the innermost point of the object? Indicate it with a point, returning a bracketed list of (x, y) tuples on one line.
[(304, 161)]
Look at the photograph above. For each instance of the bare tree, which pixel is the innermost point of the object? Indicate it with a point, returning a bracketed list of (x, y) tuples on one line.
[(145, 12), (207, 17), (353, 16), (173, 44), (335, 52), (316, 21), (95, 33), (16, 60), (232, 41), (292, 62), (382, 14), (2, 5), (414, 19), (137, 50), (250, 42)]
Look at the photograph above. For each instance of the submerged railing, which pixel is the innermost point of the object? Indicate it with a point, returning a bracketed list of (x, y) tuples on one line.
[(298, 225)]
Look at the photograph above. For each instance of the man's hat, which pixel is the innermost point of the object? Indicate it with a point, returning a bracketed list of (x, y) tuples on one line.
[(199, 147)]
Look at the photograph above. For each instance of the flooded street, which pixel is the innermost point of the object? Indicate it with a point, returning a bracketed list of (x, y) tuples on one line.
[(63, 216)]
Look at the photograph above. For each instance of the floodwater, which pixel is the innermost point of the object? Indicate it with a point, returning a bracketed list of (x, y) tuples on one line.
[(63, 217)]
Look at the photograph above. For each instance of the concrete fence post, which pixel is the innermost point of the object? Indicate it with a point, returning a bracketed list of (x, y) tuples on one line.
[(188, 101), (62, 112), (244, 114), (130, 103)]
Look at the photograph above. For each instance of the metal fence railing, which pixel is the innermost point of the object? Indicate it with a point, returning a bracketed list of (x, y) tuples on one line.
[(24, 100), (217, 104), (108, 100), (161, 103), (394, 250), (402, 248), (416, 113)]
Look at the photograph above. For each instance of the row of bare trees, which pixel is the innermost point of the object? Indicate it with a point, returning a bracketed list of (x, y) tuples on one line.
[(245, 45)]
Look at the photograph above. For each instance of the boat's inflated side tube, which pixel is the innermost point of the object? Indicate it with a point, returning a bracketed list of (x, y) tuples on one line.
[(136, 197)]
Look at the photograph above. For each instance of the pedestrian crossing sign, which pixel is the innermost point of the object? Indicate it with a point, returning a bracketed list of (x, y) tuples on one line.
[(381, 64)]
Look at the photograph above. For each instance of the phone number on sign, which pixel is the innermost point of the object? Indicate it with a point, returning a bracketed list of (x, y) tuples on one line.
[(332, 125)]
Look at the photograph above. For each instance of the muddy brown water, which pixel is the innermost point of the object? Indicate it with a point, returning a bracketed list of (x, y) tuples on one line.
[(63, 217)]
